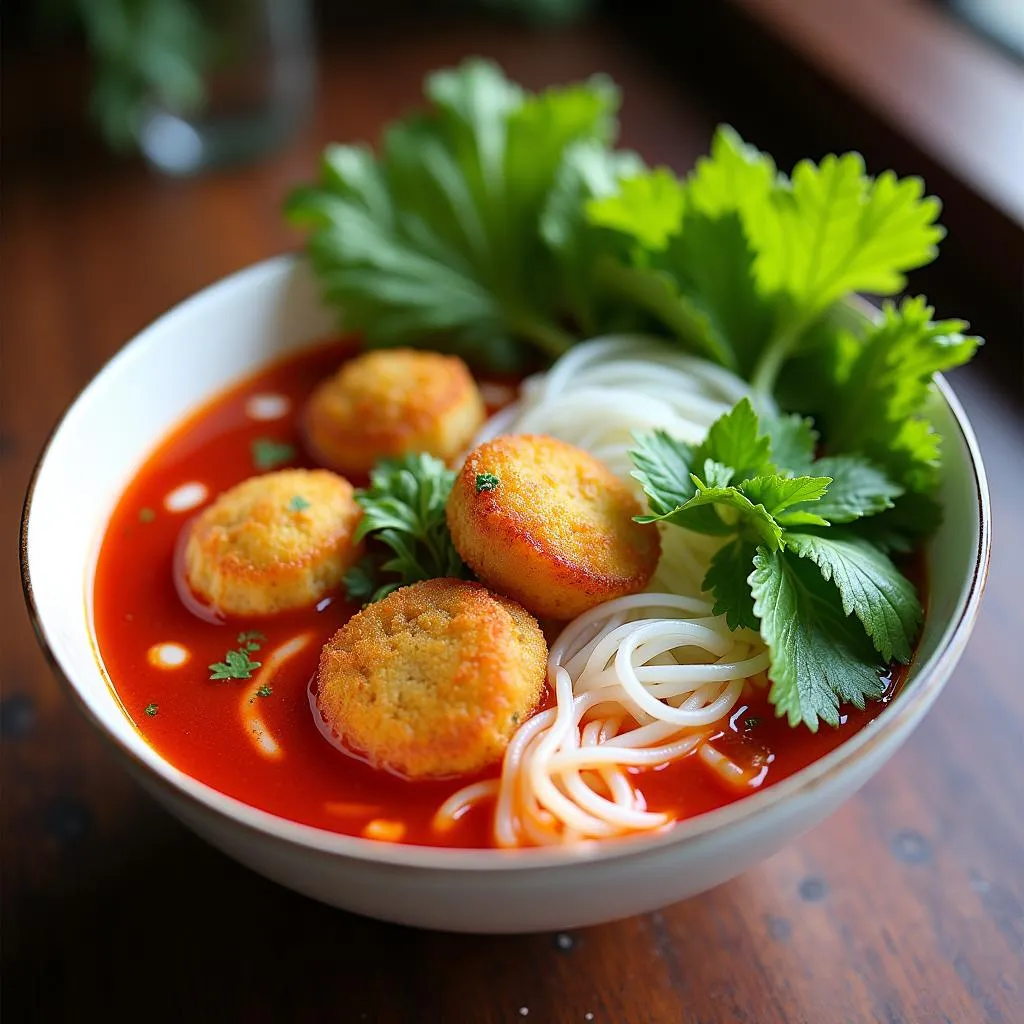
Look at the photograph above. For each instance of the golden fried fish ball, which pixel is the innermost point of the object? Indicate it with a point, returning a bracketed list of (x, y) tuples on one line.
[(387, 402), (433, 680), (549, 525), (273, 542)]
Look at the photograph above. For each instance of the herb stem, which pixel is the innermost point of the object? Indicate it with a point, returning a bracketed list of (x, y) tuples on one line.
[(774, 354), (548, 337)]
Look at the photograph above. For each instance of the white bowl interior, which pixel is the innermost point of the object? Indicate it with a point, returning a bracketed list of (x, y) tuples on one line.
[(229, 331)]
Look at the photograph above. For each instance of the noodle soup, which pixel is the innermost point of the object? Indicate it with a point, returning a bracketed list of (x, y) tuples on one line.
[(255, 738)]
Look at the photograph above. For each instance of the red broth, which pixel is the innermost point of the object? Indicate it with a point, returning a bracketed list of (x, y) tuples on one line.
[(266, 750)]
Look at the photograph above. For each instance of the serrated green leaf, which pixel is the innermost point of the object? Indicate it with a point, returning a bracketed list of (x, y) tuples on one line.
[(858, 489), (733, 177), (879, 405), (735, 440), (820, 657), (836, 231), (792, 442), (727, 579), (780, 493), (663, 467), (751, 516), (870, 586), (438, 242), (647, 207)]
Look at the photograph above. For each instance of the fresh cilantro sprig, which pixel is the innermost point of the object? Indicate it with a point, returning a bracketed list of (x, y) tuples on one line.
[(831, 606), (237, 663), (404, 518)]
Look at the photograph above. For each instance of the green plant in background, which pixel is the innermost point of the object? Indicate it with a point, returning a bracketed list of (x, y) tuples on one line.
[(540, 12), (143, 52)]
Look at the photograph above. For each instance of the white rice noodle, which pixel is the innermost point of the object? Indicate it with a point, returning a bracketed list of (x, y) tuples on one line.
[(603, 391), (638, 682)]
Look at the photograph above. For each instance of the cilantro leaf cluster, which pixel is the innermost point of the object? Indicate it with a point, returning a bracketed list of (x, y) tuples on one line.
[(831, 606), (238, 663), (404, 520)]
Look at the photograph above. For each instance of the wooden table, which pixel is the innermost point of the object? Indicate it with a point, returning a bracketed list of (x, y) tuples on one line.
[(906, 906)]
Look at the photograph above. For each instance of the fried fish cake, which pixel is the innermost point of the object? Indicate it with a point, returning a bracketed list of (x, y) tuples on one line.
[(273, 542), (549, 525), (387, 402), (433, 680)]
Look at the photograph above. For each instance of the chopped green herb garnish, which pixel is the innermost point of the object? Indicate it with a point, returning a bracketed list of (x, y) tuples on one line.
[(146, 515), (298, 503), (267, 453), (264, 691), (751, 723), (486, 482), (237, 664), (250, 640), (404, 510), (152, 709)]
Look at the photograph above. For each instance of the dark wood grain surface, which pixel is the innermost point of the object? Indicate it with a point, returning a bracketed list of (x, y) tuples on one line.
[(906, 906)]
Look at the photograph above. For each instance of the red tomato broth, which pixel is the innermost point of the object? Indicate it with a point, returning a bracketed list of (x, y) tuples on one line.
[(198, 725)]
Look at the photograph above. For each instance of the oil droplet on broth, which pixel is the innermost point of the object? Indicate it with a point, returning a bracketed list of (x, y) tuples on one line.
[(185, 497), (168, 655), (385, 830), (267, 407)]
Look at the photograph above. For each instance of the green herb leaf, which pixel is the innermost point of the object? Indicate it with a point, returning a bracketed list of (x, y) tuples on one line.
[(663, 467), (727, 579), (360, 581), (858, 489), (871, 587), (264, 691), (792, 442), (298, 504), (735, 440), (835, 231), (880, 399), (733, 448), (648, 206), (439, 241), (237, 664), (692, 271), (819, 656), (588, 170), (152, 710), (486, 482), (404, 512), (146, 515), (269, 454), (754, 517), (781, 496)]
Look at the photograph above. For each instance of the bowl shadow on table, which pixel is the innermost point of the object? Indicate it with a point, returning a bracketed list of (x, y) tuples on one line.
[(172, 925)]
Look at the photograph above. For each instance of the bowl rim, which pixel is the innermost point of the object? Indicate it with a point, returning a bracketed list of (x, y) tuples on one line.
[(896, 718)]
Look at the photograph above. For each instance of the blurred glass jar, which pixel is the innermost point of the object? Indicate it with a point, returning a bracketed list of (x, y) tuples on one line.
[(257, 87)]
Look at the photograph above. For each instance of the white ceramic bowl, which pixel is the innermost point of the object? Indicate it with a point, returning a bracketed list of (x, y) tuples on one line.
[(231, 329)]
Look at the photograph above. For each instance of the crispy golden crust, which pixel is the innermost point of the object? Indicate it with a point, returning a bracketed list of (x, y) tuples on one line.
[(433, 680), (391, 401), (556, 533), (273, 542)]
